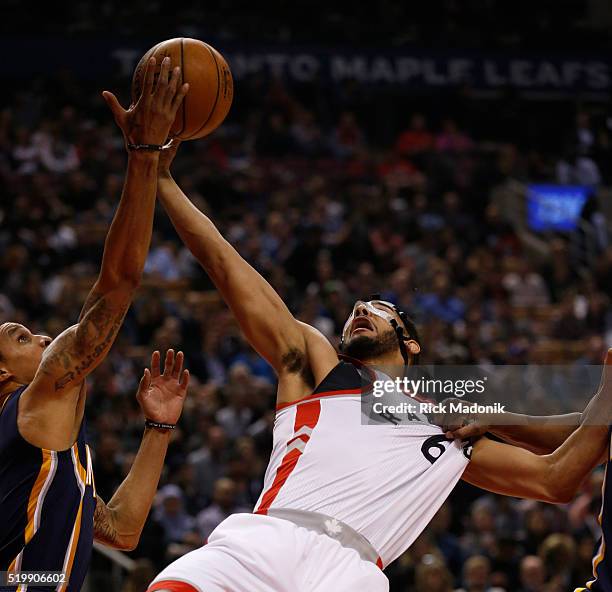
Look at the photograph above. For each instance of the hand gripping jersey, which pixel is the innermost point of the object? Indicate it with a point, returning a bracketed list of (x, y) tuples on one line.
[(386, 481)]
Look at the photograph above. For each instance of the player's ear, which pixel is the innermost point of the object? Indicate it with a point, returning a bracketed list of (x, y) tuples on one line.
[(5, 375), (413, 347)]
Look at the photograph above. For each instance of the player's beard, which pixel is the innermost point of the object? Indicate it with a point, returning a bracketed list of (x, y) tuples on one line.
[(363, 347)]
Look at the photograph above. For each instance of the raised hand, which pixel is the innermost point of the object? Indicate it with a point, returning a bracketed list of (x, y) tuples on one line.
[(161, 396), (150, 119)]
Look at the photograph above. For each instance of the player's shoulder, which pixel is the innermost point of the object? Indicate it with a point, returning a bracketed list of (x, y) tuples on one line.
[(9, 409), (321, 357)]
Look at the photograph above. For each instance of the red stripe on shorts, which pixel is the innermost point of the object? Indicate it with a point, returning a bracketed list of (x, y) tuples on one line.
[(172, 586), (306, 414)]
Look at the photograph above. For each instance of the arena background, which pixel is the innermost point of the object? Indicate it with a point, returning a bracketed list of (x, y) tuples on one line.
[(391, 146)]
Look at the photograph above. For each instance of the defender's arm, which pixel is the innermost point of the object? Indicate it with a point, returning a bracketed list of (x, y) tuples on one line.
[(509, 470), (556, 477), (47, 406), (119, 523), (539, 434)]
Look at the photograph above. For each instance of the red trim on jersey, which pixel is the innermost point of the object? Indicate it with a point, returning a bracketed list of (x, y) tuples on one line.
[(303, 437), (172, 586), (305, 415), (379, 563), (317, 395)]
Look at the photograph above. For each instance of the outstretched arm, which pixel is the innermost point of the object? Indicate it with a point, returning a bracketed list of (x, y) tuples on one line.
[(45, 406), (510, 470), (161, 396), (539, 434), (502, 468), (264, 318)]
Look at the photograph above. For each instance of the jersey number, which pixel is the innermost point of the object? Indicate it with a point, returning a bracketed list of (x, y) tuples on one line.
[(434, 447)]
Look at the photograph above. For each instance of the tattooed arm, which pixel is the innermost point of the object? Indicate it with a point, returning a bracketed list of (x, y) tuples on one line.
[(49, 411)]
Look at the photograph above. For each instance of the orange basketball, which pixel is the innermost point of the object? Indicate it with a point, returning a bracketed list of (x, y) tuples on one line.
[(211, 87)]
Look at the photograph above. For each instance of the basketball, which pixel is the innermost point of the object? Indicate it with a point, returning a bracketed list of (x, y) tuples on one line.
[(210, 85)]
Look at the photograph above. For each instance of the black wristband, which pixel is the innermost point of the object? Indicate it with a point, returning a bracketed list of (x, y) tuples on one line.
[(146, 147), (159, 426)]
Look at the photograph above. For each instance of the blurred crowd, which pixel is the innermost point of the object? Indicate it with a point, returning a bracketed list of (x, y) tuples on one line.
[(328, 209)]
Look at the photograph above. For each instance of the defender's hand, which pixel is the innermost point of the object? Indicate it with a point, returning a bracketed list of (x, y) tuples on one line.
[(167, 157), (161, 396), (150, 119), (461, 425)]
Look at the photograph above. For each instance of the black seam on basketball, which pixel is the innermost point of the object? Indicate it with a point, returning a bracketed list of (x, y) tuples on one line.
[(183, 106), (216, 97)]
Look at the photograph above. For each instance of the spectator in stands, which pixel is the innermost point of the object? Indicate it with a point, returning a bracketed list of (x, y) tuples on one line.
[(558, 552), (476, 574), (440, 302), (347, 139), (433, 576), (223, 504), (417, 139), (452, 139), (209, 461), (171, 514), (525, 286), (532, 574)]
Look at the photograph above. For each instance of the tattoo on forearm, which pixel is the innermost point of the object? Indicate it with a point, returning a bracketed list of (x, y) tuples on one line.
[(96, 331), (104, 532), (92, 298)]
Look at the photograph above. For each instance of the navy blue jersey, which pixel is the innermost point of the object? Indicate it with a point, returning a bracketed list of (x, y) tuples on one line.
[(47, 502), (602, 561)]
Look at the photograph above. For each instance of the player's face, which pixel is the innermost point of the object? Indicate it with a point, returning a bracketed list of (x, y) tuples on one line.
[(21, 352), (369, 319)]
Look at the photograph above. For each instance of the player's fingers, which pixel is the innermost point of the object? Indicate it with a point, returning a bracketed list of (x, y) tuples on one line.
[(149, 77), (145, 381), (114, 105), (178, 365), (609, 357), (179, 96), (162, 80), (467, 431), (172, 86), (156, 363), (169, 363), (185, 380)]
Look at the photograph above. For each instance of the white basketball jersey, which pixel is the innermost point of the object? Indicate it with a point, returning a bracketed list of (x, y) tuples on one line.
[(386, 481)]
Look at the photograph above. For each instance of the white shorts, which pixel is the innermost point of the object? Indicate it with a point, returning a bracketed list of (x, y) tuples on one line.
[(254, 553)]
